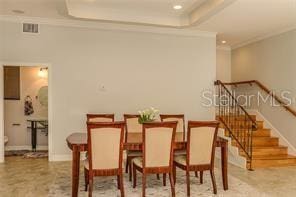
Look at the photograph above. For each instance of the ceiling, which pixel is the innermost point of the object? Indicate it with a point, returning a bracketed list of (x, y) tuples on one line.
[(248, 20), (235, 21)]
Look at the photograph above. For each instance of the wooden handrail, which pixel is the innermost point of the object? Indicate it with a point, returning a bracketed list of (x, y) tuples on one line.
[(266, 90)]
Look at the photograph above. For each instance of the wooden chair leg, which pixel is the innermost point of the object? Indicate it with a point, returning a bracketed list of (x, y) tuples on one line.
[(134, 177), (201, 177), (130, 169), (172, 185), (90, 189), (213, 181), (86, 179), (196, 174), (144, 185), (121, 185), (175, 173), (188, 182), (164, 179), (157, 176), (126, 164), (118, 182)]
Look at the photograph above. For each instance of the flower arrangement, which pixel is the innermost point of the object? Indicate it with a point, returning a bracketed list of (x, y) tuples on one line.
[(148, 115)]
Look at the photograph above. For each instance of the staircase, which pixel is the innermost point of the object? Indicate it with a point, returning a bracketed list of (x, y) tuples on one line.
[(266, 151), (252, 139)]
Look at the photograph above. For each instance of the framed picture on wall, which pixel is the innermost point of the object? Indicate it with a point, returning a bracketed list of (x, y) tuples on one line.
[(11, 82)]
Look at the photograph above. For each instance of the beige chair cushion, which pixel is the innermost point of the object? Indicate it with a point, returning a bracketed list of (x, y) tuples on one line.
[(179, 129), (105, 148), (133, 125), (180, 152), (158, 146), (201, 143), (138, 161), (179, 137), (86, 164), (180, 159), (134, 153), (100, 119)]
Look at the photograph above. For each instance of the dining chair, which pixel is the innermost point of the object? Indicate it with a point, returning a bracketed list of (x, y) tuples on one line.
[(180, 132), (200, 151), (100, 117), (180, 118), (158, 145), (132, 125), (105, 153)]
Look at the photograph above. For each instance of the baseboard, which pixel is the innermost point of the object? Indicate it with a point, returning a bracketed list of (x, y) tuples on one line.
[(8, 148), (274, 132), (65, 157)]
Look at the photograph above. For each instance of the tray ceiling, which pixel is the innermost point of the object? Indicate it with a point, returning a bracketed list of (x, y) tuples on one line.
[(150, 12)]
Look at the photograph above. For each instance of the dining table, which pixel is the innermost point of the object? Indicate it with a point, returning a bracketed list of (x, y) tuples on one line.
[(77, 142)]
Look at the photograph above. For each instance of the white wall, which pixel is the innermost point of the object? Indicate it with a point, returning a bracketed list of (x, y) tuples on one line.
[(271, 61), (138, 70), (223, 69), (19, 136)]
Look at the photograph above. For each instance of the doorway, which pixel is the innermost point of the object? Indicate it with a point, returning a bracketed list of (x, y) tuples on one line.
[(25, 115)]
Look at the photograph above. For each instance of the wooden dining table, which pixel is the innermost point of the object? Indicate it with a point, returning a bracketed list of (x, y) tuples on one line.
[(77, 142)]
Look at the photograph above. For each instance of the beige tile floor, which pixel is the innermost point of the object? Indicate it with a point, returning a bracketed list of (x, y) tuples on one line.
[(33, 177)]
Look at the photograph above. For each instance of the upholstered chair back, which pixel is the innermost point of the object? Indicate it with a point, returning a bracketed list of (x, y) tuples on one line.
[(158, 139), (132, 125), (100, 117), (180, 131), (105, 145), (201, 140)]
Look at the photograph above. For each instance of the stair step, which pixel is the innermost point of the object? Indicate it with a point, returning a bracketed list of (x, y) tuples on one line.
[(267, 151), (262, 141), (274, 161), (240, 124), (261, 133), (253, 117), (257, 133), (265, 141), (274, 157)]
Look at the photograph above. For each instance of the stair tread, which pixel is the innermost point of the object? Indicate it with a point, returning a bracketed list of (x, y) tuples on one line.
[(262, 129), (273, 157), (269, 147), (264, 138)]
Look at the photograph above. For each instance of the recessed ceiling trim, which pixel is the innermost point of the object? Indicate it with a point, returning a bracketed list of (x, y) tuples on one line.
[(193, 15), (107, 26), (208, 9)]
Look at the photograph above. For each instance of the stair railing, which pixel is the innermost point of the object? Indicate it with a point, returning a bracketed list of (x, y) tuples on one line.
[(267, 91), (236, 120)]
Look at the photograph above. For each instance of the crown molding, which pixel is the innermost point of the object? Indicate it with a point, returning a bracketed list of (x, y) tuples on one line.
[(259, 38), (108, 26)]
